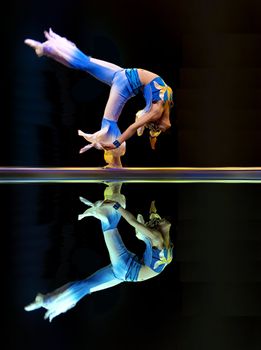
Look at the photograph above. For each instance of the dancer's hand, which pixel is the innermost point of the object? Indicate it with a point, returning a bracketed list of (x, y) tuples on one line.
[(109, 201), (107, 146)]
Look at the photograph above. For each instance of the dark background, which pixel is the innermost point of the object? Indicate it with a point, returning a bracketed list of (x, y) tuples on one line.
[(209, 53)]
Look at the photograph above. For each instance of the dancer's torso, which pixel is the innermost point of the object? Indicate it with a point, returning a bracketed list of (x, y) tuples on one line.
[(155, 260), (146, 76)]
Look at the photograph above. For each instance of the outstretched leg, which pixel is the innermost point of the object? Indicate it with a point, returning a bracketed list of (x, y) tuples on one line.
[(109, 217), (66, 297), (64, 51)]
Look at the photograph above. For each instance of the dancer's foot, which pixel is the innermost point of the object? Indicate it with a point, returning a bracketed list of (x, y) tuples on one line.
[(36, 304), (86, 201), (36, 45), (100, 211), (94, 139), (108, 216)]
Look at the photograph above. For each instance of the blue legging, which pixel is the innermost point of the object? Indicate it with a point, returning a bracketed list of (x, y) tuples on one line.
[(111, 75), (66, 297)]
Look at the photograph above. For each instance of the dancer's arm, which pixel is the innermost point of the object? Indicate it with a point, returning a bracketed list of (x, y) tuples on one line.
[(131, 219)]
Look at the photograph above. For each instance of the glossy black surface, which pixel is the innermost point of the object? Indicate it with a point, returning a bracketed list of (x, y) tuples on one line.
[(208, 295)]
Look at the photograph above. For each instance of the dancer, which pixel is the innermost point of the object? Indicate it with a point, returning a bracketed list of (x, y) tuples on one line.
[(124, 266), (125, 83)]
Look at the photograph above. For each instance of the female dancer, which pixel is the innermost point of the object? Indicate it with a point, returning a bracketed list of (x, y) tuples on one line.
[(125, 83), (125, 266)]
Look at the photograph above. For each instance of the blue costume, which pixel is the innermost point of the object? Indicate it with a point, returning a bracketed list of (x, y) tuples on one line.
[(125, 81), (124, 267), (156, 259)]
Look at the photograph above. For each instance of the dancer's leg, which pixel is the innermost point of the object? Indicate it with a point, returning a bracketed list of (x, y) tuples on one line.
[(113, 157), (67, 296), (102, 70), (64, 51), (120, 256), (115, 104), (120, 93)]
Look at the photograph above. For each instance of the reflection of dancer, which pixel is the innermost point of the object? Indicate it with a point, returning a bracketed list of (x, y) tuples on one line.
[(125, 266), (125, 83)]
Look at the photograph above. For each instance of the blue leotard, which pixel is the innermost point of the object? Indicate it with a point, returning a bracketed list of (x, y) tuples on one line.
[(155, 91), (157, 259)]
